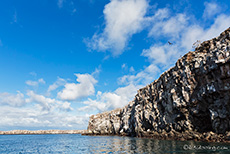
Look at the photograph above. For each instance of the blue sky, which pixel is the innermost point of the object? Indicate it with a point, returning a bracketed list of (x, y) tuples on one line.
[(64, 60)]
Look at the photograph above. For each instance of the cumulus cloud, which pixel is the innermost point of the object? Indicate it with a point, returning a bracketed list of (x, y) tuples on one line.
[(122, 20), (84, 88), (12, 99), (162, 54), (161, 14), (142, 77), (111, 100), (48, 104), (59, 82), (33, 118), (183, 31), (37, 112), (169, 26), (211, 9), (35, 83), (196, 32)]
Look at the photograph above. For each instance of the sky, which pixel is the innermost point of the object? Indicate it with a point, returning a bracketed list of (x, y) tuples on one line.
[(62, 61)]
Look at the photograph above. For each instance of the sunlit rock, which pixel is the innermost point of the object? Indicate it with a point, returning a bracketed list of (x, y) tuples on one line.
[(190, 101)]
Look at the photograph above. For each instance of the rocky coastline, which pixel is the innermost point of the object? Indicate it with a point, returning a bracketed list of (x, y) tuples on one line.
[(29, 132), (190, 101)]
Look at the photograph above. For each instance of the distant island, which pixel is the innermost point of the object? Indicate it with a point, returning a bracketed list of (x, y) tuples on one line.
[(29, 132), (190, 101)]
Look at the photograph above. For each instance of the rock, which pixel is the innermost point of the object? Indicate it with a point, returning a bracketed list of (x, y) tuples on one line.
[(16, 132), (193, 96)]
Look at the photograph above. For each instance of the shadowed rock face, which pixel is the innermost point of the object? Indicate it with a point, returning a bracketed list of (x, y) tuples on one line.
[(192, 96)]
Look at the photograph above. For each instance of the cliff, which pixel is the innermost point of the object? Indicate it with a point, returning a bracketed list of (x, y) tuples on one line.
[(190, 101)]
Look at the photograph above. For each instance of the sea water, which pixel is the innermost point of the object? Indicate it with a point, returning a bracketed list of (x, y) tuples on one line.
[(78, 144)]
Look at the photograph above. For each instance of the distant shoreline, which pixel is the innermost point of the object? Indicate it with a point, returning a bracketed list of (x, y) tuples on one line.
[(29, 132)]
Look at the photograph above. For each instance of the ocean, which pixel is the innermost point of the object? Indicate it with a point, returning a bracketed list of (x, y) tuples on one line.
[(78, 144)]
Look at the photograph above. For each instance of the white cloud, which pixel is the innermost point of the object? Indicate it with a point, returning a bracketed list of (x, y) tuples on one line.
[(111, 100), (180, 28), (12, 100), (41, 81), (122, 20), (166, 25), (60, 3), (162, 54), (35, 83), (161, 14), (96, 71), (33, 74), (221, 23), (15, 17), (74, 10), (131, 69), (196, 32), (183, 31), (33, 118), (123, 66), (38, 111), (48, 104), (172, 28), (142, 77), (211, 9), (68, 4), (84, 88), (127, 94), (59, 82)]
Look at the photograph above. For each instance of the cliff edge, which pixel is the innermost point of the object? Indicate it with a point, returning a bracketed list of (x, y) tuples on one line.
[(190, 101)]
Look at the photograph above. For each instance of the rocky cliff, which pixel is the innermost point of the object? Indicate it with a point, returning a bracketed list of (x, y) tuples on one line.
[(190, 101)]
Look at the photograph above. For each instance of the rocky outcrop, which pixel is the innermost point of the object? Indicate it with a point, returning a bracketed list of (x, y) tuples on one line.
[(189, 101), (29, 132)]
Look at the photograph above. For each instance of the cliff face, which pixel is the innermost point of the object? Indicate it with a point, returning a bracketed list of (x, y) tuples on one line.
[(193, 96)]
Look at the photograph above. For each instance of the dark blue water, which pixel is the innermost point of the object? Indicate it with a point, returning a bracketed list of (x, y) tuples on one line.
[(75, 143)]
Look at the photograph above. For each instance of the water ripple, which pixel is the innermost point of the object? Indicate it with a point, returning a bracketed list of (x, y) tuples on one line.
[(77, 144)]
